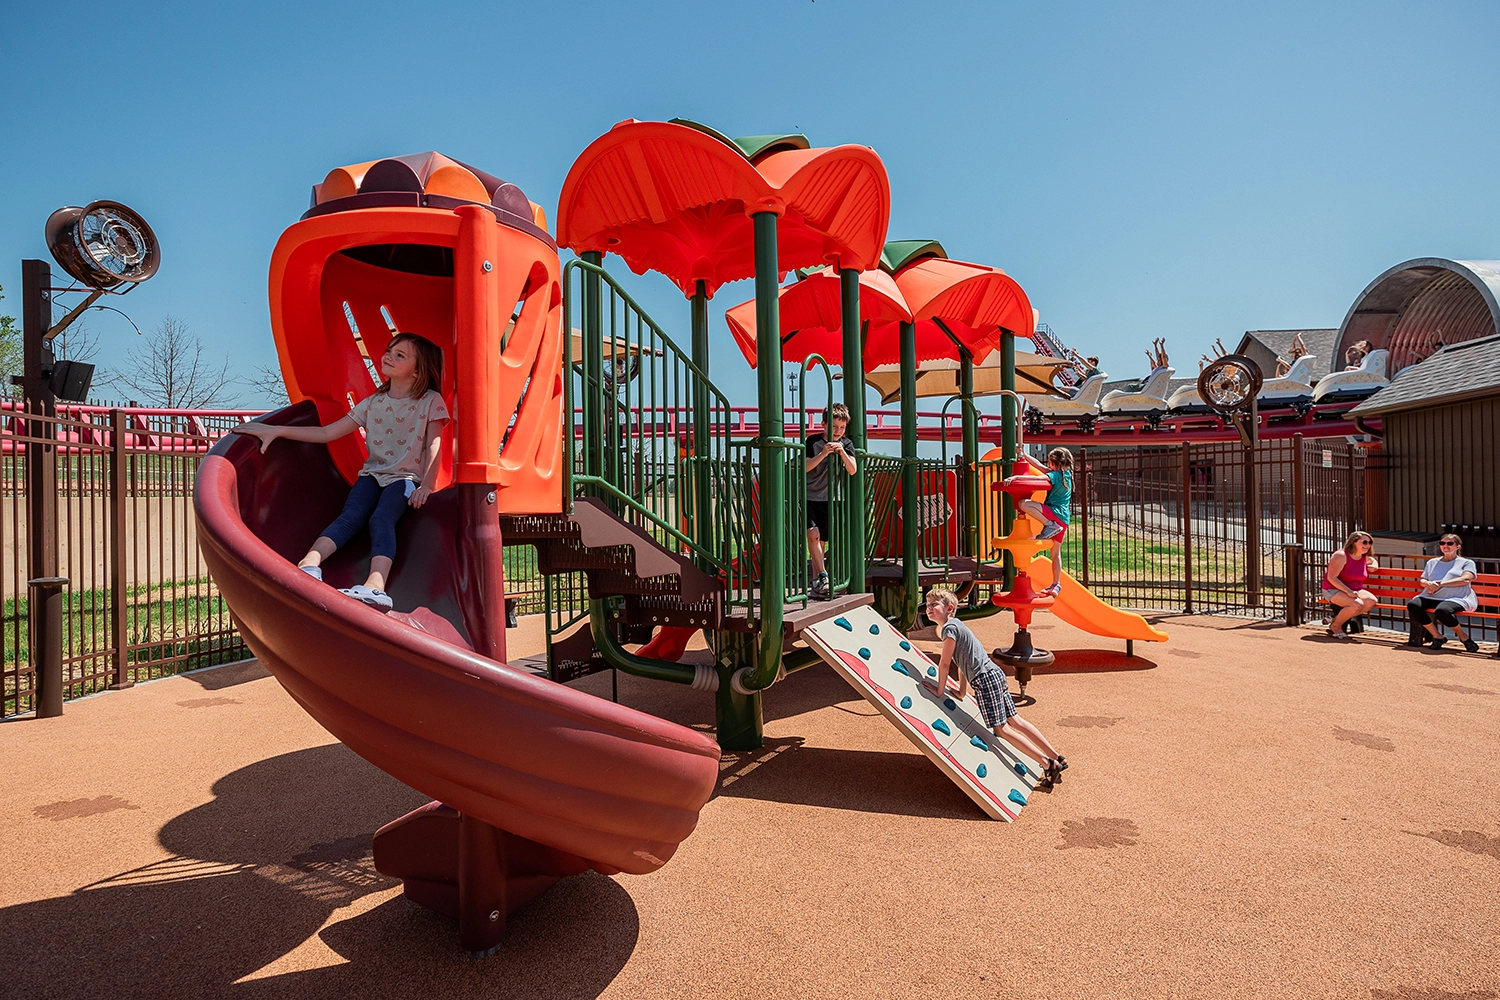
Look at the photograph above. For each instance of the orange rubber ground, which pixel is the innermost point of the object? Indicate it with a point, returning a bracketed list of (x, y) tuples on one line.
[(1252, 811)]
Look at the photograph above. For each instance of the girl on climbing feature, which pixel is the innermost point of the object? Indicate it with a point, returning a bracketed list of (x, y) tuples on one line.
[(1055, 512), (403, 422), (991, 689)]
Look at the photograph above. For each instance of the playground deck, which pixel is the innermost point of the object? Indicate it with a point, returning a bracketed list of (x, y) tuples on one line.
[(1252, 811)]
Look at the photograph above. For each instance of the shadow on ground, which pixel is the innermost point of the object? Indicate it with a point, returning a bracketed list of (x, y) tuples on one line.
[(1085, 661), (785, 770), (264, 870)]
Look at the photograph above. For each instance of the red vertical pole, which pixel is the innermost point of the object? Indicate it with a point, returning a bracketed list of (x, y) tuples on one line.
[(119, 633), (477, 428)]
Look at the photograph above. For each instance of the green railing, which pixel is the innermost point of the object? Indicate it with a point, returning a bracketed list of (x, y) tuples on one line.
[(655, 442)]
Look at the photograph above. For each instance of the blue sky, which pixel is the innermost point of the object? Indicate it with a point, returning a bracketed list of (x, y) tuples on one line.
[(1181, 170)]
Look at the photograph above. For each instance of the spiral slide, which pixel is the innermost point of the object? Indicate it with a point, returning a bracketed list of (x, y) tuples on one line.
[(534, 781)]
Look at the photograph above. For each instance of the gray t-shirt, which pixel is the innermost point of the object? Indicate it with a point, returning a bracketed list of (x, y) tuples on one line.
[(1439, 569), (967, 652), (817, 479)]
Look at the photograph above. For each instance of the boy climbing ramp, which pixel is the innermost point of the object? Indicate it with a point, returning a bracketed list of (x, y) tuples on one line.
[(991, 688)]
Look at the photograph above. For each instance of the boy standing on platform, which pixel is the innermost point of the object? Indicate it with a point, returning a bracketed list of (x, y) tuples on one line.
[(820, 447)]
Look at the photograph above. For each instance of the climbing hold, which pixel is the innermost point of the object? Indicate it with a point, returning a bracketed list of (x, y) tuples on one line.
[(1020, 769), (905, 645), (875, 629), (980, 743), (1016, 797), (981, 770), (900, 667), (843, 623), (949, 704), (906, 702), (864, 654), (932, 671), (942, 727)]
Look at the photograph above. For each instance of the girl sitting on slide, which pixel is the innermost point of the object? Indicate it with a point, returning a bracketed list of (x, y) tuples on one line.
[(403, 422)]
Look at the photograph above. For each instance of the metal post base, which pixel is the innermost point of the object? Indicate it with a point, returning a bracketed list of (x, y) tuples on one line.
[(466, 869), (1023, 656)]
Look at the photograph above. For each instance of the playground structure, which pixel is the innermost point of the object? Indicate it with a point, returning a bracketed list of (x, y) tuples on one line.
[(672, 522)]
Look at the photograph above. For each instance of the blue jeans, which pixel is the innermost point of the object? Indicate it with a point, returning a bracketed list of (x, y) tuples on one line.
[(379, 508)]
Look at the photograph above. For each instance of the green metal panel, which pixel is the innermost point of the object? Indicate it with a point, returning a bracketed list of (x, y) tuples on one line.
[(702, 478), (898, 253)]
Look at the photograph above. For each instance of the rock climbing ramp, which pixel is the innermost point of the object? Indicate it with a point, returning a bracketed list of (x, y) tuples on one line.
[(901, 681)]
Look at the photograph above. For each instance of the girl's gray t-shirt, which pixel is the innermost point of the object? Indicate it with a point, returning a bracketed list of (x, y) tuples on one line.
[(1440, 569)]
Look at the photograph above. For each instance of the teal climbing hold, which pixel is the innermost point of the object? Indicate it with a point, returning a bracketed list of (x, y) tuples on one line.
[(900, 667), (843, 623), (874, 629), (981, 770), (980, 743), (949, 704), (1016, 797), (905, 645), (1020, 769), (932, 671), (864, 654), (906, 702), (942, 727)]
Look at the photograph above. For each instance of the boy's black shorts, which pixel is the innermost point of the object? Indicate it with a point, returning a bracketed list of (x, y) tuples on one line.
[(817, 517)]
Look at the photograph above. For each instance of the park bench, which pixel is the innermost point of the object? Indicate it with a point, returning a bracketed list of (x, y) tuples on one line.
[(1393, 587)]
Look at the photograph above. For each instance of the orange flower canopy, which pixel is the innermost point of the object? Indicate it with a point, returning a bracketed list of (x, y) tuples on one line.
[(973, 301), (811, 320), (676, 197)]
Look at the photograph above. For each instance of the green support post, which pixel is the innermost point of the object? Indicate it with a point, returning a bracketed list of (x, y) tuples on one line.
[(910, 584), (971, 454), (854, 399), (738, 709), (703, 526), (1008, 418), (593, 374)]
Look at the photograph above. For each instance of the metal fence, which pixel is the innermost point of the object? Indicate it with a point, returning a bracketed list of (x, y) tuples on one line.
[(118, 486), (1172, 527)]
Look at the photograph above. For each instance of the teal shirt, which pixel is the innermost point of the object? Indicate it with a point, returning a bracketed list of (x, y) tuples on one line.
[(1060, 496)]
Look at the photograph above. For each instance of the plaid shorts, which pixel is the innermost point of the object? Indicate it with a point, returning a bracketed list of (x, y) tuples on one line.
[(992, 691)]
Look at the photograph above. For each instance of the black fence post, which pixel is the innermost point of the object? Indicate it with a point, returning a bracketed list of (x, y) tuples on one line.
[(1295, 581), (119, 631), (1187, 527), (1083, 465), (44, 608)]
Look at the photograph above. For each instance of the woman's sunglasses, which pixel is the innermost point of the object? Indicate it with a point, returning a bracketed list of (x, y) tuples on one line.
[(1447, 545)]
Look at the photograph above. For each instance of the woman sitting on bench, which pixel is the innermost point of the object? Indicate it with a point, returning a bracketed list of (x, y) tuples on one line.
[(1446, 593), (1344, 581)]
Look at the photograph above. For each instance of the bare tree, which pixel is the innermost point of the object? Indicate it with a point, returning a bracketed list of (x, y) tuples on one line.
[(168, 369), (267, 382)]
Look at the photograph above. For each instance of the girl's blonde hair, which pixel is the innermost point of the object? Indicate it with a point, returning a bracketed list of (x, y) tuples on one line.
[(429, 366), (1358, 536), (1062, 457), (944, 595)]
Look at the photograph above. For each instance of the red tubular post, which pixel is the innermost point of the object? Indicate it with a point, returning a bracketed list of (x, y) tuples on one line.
[(477, 431)]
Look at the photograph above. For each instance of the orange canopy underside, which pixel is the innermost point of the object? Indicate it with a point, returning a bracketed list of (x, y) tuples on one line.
[(811, 317), (973, 301), (670, 198)]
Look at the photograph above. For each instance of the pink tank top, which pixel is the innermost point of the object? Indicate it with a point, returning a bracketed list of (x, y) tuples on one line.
[(1353, 575)]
